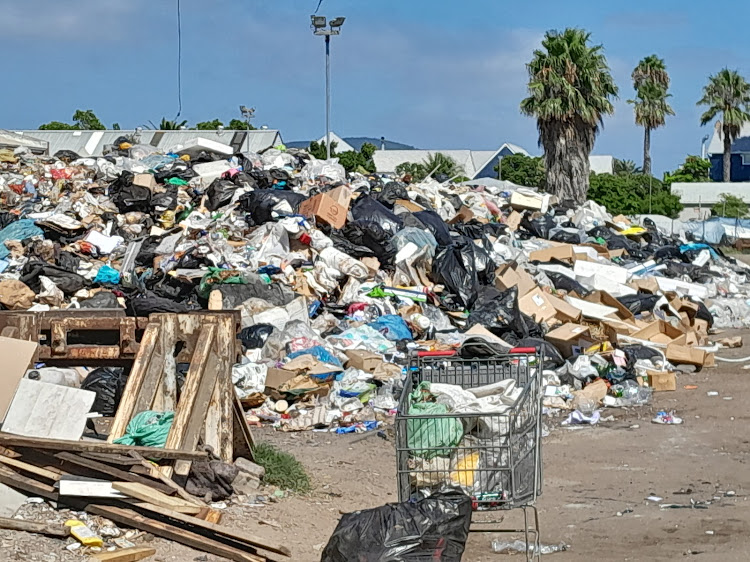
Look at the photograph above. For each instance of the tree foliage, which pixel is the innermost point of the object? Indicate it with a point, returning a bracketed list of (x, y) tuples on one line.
[(209, 125), (167, 125), (83, 119), (629, 195), (570, 91), (352, 160), (694, 169), (318, 149), (524, 170), (435, 165), (239, 125), (625, 167), (730, 206), (727, 94)]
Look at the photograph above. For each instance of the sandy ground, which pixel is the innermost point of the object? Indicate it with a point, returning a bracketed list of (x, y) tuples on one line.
[(596, 481)]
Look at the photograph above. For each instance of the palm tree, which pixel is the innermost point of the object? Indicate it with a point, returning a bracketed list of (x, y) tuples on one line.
[(651, 110), (570, 91), (727, 93), (625, 168), (167, 125), (650, 69)]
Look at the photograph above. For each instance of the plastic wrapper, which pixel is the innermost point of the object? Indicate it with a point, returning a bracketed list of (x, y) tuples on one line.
[(330, 169), (434, 528), (347, 265), (392, 327)]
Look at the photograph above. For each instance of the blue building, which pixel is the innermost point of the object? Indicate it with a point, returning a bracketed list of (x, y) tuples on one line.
[(740, 157)]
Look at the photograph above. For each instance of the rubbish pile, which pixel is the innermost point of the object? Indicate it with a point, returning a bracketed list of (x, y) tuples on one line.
[(339, 278)]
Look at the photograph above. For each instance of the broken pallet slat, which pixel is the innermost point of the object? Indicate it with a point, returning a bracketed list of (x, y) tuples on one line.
[(156, 473), (126, 555), (151, 496), (129, 518), (12, 441), (26, 467), (11, 478), (33, 527)]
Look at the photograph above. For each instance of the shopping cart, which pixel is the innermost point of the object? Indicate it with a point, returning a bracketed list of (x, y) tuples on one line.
[(492, 453)]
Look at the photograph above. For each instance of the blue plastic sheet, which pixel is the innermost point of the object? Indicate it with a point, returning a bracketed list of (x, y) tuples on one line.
[(107, 274), (19, 230), (392, 327), (320, 353), (360, 427)]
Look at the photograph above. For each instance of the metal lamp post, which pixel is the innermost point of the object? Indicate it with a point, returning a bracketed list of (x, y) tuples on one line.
[(319, 28)]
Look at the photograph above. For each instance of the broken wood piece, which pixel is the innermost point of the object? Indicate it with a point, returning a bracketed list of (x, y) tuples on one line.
[(210, 515), (154, 471), (11, 478), (34, 527), (26, 467), (12, 441), (151, 496), (126, 555)]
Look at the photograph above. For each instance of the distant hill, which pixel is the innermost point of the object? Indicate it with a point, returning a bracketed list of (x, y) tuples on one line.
[(357, 142)]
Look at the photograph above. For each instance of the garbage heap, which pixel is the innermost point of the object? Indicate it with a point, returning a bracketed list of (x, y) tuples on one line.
[(340, 277)]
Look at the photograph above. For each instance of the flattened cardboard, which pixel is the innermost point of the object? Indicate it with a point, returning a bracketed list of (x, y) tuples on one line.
[(363, 360), (537, 305), (600, 297), (513, 220), (17, 355), (464, 214), (275, 377), (409, 205), (569, 336), (513, 275), (562, 252), (565, 312), (684, 355)]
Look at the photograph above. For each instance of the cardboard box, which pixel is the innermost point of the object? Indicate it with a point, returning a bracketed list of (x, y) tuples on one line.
[(464, 214), (524, 198), (662, 381), (621, 311), (409, 205), (569, 336), (685, 355), (145, 180), (659, 332), (363, 360), (342, 195), (544, 307), (565, 312), (513, 275), (276, 377), (562, 252), (513, 220), (325, 209)]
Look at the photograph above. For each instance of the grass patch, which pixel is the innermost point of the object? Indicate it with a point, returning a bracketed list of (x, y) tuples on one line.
[(282, 469)]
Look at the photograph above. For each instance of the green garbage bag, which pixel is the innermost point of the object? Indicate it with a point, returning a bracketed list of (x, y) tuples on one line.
[(148, 429), (426, 436), (218, 276)]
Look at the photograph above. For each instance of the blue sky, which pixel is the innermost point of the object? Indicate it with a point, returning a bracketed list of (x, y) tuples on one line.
[(435, 74)]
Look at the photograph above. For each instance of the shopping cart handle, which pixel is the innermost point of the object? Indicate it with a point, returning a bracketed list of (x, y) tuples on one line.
[(448, 353), (523, 350)]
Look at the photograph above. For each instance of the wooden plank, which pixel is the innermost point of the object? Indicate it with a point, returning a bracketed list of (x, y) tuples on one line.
[(154, 471), (33, 527), (11, 478), (168, 392), (126, 555), (130, 518), (146, 399), (26, 467), (89, 489), (113, 472), (238, 536), (149, 495), (13, 441), (210, 515), (125, 410), (241, 434)]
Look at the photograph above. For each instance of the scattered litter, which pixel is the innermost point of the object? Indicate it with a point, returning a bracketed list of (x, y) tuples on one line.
[(666, 418)]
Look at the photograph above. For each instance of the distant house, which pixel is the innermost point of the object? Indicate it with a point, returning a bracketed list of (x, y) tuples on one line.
[(699, 197), (740, 157), (346, 144)]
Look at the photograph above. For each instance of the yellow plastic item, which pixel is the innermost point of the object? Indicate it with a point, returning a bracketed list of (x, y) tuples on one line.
[(185, 157), (125, 145), (83, 534), (463, 475), (633, 230)]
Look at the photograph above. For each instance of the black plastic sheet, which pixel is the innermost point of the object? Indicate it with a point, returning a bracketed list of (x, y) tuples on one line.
[(254, 337), (640, 302), (434, 528), (454, 267), (128, 197), (539, 227), (66, 281), (436, 225)]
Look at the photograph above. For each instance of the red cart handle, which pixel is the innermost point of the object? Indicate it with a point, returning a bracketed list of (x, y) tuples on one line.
[(449, 353), (523, 350)]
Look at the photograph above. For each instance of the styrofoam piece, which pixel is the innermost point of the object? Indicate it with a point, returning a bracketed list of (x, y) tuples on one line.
[(209, 171), (562, 270), (195, 146), (590, 268), (681, 287), (591, 309)]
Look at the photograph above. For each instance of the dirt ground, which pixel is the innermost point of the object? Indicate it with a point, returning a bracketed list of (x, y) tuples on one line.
[(596, 481)]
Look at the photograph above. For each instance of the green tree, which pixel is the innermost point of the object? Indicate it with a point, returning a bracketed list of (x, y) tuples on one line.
[(353, 161), (239, 125), (727, 93), (570, 91), (209, 125), (57, 126), (524, 170), (318, 149), (633, 195), (367, 150), (625, 167), (167, 125), (82, 120), (650, 81), (694, 169), (115, 126), (434, 165), (730, 206)]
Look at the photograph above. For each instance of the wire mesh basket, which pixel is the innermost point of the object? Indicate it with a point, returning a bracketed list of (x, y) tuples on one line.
[(491, 448)]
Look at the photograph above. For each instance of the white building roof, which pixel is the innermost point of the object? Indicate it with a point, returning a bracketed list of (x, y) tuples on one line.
[(341, 144), (92, 143), (716, 145), (602, 164), (708, 193)]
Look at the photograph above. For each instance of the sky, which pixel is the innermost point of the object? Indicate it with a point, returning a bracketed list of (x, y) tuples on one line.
[(435, 74)]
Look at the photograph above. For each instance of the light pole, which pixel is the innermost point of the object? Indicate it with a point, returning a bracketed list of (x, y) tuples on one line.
[(703, 147), (319, 28), (248, 113)]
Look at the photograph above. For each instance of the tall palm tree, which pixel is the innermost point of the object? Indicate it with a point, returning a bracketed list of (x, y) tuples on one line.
[(570, 91), (727, 93), (651, 110), (650, 69)]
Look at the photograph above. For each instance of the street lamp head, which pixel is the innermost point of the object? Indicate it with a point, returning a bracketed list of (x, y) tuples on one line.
[(318, 22), (338, 22)]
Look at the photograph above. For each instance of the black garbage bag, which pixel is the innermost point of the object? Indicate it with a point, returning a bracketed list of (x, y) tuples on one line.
[(102, 299), (565, 283), (108, 383), (484, 263), (259, 204), (390, 193), (668, 252), (539, 227), (219, 193), (477, 347), (128, 197), (478, 231), (67, 281), (496, 310), (177, 170), (373, 236), (550, 354), (640, 302), (7, 218), (340, 242), (638, 351), (704, 314), (454, 267), (434, 528), (370, 209), (233, 295), (254, 337), (436, 225), (68, 261), (166, 200), (568, 236), (600, 232), (148, 303), (67, 156)]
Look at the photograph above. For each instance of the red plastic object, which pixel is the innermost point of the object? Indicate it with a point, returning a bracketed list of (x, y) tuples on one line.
[(436, 353), (523, 350)]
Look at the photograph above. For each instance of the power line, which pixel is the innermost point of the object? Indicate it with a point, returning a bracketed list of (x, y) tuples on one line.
[(318, 8), (179, 60)]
